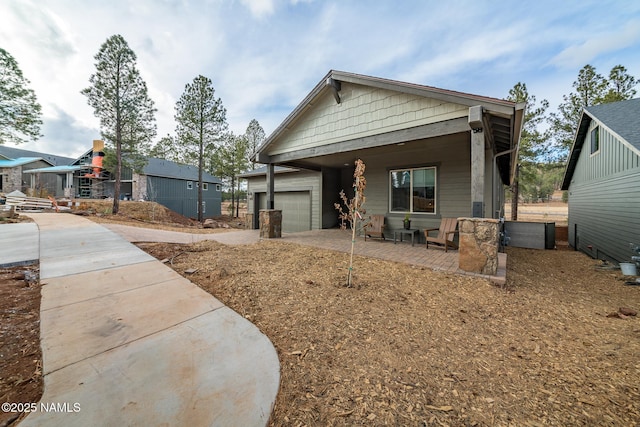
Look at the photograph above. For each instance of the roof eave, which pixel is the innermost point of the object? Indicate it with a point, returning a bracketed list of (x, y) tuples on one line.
[(493, 105), (576, 148)]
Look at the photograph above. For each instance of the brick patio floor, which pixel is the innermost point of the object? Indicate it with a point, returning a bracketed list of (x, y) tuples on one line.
[(434, 259), (332, 239)]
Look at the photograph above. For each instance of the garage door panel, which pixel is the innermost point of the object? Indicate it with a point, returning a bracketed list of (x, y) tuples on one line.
[(295, 207)]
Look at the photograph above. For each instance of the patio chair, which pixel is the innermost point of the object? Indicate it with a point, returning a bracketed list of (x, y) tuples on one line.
[(375, 227), (445, 234)]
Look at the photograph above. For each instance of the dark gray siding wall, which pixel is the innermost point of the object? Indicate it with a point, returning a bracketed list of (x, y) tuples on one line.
[(604, 199), (175, 195), (452, 158)]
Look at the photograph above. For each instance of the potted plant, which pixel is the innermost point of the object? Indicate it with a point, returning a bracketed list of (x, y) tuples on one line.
[(407, 221)]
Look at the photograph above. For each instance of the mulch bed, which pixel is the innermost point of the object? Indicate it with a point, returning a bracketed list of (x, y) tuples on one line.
[(20, 354), (409, 346)]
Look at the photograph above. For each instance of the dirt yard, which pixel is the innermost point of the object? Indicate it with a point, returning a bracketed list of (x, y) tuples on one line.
[(555, 211), (406, 346), (409, 346), (20, 354)]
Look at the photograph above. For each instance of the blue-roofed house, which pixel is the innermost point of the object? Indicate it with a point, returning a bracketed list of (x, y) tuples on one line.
[(16, 166), (171, 184), (603, 179)]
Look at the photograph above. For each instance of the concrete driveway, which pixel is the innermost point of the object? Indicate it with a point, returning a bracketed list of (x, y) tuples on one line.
[(127, 341)]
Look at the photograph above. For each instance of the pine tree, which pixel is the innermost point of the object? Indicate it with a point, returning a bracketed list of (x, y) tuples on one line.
[(255, 136), (230, 161), (200, 124), (533, 142), (119, 97), (590, 89), (621, 85), (20, 112)]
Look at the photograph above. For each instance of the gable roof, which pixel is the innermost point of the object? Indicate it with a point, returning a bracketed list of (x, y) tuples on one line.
[(503, 118), (14, 153), (20, 161), (168, 169), (621, 118)]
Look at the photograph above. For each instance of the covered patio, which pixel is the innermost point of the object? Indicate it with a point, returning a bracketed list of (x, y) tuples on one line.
[(418, 255)]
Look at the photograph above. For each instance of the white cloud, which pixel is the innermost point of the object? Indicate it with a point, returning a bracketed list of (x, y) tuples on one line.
[(264, 56), (259, 8), (594, 45)]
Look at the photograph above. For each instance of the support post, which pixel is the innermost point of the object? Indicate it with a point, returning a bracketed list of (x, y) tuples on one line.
[(477, 161), (270, 186), (68, 185)]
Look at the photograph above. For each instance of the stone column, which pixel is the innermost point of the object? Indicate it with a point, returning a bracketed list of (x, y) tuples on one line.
[(270, 223), (478, 252)]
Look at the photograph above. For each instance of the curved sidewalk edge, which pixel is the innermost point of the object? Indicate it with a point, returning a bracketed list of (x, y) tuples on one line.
[(127, 341)]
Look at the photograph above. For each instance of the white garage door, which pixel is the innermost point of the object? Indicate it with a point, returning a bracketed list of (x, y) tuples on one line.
[(295, 207)]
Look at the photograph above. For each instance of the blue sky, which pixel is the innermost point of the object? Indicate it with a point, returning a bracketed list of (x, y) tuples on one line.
[(264, 56)]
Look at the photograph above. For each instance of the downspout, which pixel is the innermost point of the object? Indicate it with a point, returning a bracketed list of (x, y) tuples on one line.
[(493, 176)]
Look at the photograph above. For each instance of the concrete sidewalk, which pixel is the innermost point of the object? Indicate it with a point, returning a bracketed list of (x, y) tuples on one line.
[(127, 341), (19, 244)]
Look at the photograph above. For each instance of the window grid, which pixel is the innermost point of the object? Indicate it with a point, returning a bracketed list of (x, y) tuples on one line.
[(421, 198)]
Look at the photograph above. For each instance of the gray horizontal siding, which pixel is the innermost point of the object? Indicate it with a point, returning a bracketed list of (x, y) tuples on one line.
[(286, 182), (604, 200), (173, 194), (451, 156)]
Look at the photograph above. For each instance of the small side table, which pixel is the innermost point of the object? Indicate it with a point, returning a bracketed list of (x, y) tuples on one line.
[(401, 232)]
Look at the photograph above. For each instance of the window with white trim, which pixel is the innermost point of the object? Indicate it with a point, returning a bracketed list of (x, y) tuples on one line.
[(189, 185), (412, 190), (218, 188), (595, 140)]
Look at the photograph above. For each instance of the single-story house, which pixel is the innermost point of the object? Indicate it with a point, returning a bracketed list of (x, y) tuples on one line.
[(602, 176), (14, 164), (429, 152)]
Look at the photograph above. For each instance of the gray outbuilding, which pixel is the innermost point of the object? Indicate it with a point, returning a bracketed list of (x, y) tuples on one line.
[(603, 179)]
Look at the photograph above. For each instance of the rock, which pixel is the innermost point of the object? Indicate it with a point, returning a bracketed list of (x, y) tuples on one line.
[(627, 311)]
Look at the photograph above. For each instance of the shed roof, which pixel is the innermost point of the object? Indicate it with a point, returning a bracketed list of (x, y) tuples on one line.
[(622, 118), (56, 169), (261, 171)]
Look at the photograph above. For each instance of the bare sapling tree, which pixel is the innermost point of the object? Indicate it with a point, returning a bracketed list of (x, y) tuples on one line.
[(354, 212)]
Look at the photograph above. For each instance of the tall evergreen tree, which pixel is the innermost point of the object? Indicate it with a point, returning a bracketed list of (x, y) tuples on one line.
[(533, 145), (20, 112), (254, 135), (590, 88), (200, 124), (621, 85), (119, 97), (165, 149), (230, 161)]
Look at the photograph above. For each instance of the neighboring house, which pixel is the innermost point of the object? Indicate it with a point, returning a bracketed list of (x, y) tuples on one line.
[(168, 183), (15, 165), (603, 179), (176, 187), (429, 152)]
